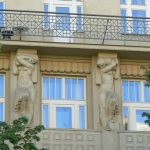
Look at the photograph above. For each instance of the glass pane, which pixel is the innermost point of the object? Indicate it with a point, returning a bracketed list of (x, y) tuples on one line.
[(58, 88), (138, 91), (140, 125), (46, 17), (52, 88), (45, 116), (63, 117), (74, 89), (63, 20), (146, 93), (68, 88), (79, 20), (122, 1), (80, 89), (1, 15), (45, 91), (138, 2), (82, 117), (1, 86), (131, 91), (139, 25), (123, 20), (125, 118), (125, 93)]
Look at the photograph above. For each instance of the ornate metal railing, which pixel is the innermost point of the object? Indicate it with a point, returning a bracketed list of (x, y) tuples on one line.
[(73, 28)]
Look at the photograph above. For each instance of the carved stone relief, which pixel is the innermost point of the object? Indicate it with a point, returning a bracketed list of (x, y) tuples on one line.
[(25, 68), (108, 101)]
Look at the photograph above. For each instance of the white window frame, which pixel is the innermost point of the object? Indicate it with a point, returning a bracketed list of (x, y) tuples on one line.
[(133, 106), (2, 99), (74, 104)]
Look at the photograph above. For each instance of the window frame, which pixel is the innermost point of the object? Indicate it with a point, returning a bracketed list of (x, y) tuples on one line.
[(133, 106), (74, 104)]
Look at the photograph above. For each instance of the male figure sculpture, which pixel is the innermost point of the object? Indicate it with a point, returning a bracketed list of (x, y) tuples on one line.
[(108, 101), (24, 66)]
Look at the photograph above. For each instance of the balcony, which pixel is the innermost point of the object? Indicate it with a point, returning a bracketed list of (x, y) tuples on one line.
[(52, 27)]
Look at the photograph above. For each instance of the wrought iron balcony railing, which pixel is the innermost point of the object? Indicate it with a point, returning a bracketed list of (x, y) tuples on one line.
[(73, 28)]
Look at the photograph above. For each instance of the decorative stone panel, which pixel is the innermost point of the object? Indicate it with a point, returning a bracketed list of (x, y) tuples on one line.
[(135, 141), (4, 62), (65, 65), (133, 70), (57, 139)]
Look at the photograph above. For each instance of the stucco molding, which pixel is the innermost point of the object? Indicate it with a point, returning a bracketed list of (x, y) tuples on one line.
[(133, 69), (65, 65), (4, 63)]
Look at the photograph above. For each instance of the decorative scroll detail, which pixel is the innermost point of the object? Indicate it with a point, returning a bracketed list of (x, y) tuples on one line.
[(25, 68), (4, 63), (133, 70), (65, 66)]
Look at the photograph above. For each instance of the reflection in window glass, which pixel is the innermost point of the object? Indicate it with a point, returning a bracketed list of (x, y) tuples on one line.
[(138, 2), (63, 117), (131, 91), (1, 86), (45, 115), (1, 14), (146, 93), (122, 1), (125, 118), (82, 117), (123, 21), (1, 111), (140, 121)]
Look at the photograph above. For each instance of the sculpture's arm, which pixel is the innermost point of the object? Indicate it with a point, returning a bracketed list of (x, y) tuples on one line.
[(22, 61), (109, 67)]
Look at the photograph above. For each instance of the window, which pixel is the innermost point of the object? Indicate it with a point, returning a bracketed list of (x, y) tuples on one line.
[(138, 2), (139, 24), (136, 100), (1, 14), (64, 102), (46, 16), (2, 95)]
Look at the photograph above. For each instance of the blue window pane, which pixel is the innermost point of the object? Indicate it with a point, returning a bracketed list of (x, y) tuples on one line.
[(63, 117), (138, 91), (45, 90), (131, 91), (138, 2), (63, 20), (1, 86), (125, 93), (82, 117), (52, 88), (79, 19), (46, 17), (58, 88), (1, 112), (80, 89), (146, 93), (125, 117), (139, 118), (68, 88), (1, 14), (139, 25), (74, 89), (122, 1), (45, 116), (123, 20)]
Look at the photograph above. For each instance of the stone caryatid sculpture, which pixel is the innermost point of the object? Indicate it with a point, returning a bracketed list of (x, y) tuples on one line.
[(108, 103), (25, 69)]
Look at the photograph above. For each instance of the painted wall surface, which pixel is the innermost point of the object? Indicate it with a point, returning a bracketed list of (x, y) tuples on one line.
[(100, 7)]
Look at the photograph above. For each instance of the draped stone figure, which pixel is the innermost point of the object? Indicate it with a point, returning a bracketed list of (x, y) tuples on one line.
[(108, 102), (25, 67)]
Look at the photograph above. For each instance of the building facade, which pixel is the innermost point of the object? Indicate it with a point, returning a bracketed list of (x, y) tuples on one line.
[(77, 67)]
